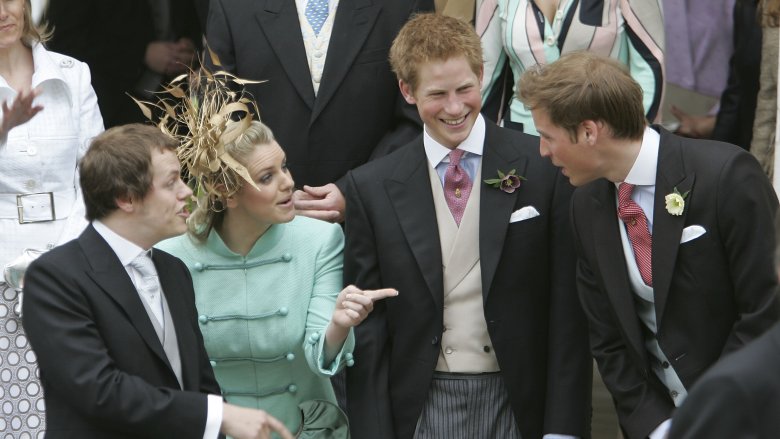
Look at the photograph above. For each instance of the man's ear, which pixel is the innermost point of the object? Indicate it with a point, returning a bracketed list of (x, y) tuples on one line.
[(590, 131), (407, 92), (125, 203)]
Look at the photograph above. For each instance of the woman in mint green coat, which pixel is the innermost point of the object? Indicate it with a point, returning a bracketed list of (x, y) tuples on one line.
[(275, 320)]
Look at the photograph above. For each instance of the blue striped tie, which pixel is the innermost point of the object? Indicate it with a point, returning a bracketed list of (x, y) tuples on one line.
[(316, 14)]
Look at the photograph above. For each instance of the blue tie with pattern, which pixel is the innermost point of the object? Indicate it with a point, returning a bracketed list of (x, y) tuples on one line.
[(316, 14)]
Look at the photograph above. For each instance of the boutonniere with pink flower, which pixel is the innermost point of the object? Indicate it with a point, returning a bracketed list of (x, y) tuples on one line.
[(507, 182), (675, 202)]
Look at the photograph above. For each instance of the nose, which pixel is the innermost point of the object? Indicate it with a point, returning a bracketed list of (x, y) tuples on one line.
[(543, 149), (454, 105), (186, 192), (287, 181)]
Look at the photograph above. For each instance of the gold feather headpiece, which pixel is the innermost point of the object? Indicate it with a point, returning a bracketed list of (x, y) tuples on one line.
[(201, 110)]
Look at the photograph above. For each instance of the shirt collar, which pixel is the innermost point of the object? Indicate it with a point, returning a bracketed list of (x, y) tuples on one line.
[(645, 166), (45, 69), (474, 143), (125, 250)]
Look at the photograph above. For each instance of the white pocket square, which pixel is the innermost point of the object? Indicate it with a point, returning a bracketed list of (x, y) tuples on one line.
[(524, 213), (692, 232)]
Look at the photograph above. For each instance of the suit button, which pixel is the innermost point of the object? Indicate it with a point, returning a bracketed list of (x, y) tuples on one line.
[(674, 394), (486, 349), (292, 388), (665, 365), (435, 340)]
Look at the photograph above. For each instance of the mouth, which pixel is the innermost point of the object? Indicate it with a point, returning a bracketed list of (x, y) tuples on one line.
[(184, 212), (286, 203), (454, 122)]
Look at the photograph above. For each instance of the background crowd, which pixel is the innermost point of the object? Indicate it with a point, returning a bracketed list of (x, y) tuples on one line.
[(338, 264)]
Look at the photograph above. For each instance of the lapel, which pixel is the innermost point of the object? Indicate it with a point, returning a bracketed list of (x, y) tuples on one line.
[(611, 261), (353, 22), (496, 205), (177, 310), (409, 190), (278, 20), (667, 228), (111, 276)]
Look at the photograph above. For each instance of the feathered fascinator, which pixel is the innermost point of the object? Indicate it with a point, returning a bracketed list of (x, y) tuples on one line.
[(203, 113)]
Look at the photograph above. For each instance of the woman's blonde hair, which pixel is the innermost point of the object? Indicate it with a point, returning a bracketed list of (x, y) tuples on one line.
[(31, 33), (210, 208)]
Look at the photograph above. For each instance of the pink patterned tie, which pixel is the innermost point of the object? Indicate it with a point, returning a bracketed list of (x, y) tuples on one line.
[(638, 231), (457, 185)]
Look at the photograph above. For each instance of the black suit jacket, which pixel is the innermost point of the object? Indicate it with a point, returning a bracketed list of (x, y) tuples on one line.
[(358, 103), (712, 294), (103, 369), (737, 398), (535, 323), (111, 37)]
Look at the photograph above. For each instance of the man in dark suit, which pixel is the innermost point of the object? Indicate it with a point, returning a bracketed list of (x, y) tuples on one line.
[(674, 237), (114, 328), (131, 46), (484, 269), (738, 398), (330, 96)]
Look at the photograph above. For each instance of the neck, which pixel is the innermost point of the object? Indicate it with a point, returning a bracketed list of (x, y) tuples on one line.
[(623, 155), (16, 66), (239, 233), (131, 231)]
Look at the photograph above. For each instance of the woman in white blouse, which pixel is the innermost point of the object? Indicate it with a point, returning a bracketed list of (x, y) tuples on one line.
[(529, 32), (49, 114)]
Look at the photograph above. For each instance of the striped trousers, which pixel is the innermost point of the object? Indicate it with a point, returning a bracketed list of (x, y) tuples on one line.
[(467, 406)]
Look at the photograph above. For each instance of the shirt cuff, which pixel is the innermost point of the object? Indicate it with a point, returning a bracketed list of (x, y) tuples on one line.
[(662, 430), (213, 417), (559, 436)]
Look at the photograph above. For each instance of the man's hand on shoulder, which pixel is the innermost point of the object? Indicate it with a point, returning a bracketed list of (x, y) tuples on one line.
[(320, 202), (244, 423)]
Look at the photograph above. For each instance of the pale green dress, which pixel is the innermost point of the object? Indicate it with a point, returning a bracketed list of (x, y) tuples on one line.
[(263, 316)]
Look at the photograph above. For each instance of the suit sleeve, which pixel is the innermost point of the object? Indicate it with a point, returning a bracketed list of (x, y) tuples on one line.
[(368, 399), (746, 219), (569, 362), (718, 407), (640, 406), (59, 323)]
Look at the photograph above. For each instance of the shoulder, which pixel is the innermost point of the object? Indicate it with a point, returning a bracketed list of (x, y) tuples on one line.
[(384, 167), (308, 231), (66, 64), (182, 247)]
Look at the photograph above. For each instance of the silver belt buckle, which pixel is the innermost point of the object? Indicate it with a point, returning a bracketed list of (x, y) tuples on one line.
[(20, 208)]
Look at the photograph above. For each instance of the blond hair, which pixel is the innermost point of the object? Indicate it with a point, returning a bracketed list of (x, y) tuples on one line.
[(433, 37)]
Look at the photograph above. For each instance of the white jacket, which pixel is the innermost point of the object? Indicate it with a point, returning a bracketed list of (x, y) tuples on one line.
[(42, 155)]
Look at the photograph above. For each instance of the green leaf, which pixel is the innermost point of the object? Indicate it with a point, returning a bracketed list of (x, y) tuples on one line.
[(500, 174)]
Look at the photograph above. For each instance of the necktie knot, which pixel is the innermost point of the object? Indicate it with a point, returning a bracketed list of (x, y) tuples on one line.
[(143, 263), (455, 156)]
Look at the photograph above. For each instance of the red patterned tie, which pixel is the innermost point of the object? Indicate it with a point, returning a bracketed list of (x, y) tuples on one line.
[(638, 231), (457, 186)]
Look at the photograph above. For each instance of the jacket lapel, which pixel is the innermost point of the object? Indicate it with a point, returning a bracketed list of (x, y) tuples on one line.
[(667, 228), (279, 22), (611, 261), (112, 278), (495, 205), (353, 22), (410, 193)]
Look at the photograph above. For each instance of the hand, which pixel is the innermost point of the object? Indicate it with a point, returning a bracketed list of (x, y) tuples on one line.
[(698, 127), (20, 111), (168, 58), (353, 305), (244, 423), (320, 202)]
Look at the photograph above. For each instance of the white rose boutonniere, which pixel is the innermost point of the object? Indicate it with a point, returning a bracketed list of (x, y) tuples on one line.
[(675, 202)]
